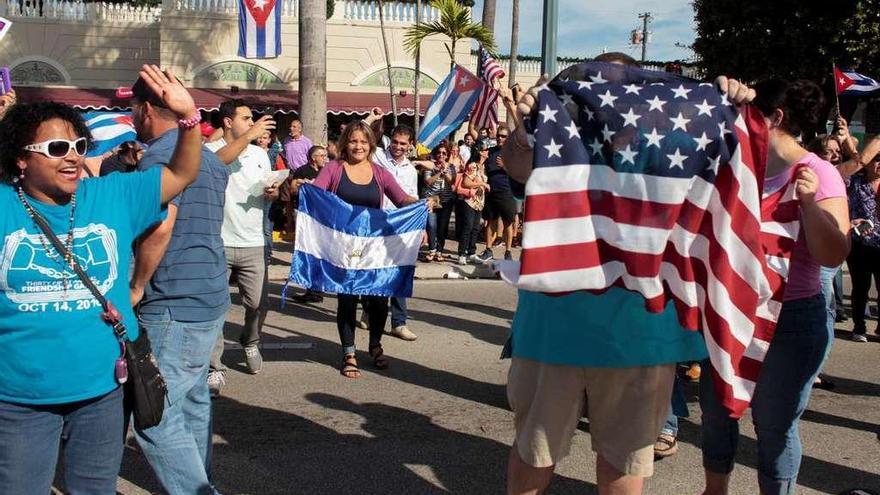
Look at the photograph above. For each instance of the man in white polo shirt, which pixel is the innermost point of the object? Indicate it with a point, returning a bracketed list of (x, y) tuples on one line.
[(394, 159), (247, 196)]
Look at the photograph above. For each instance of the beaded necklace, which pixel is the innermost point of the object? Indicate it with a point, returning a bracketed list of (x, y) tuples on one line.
[(67, 261)]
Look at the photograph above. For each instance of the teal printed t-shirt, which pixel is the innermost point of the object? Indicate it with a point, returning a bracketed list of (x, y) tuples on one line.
[(609, 330), (56, 348)]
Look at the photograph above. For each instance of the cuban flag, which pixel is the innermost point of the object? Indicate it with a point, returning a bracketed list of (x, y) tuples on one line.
[(347, 249), (259, 28), (450, 106), (109, 130), (850, 83)]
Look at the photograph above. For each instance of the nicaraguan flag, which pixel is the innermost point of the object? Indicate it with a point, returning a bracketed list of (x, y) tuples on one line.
[(347, 249), (450, 106), (109, 130), (851, 83), (259, 28)]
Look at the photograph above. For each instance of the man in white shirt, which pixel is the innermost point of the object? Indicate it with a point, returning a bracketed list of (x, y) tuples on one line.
[(247, 196), (394, 159)]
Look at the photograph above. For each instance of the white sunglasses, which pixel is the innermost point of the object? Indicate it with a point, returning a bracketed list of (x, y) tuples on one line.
[(59, 148)]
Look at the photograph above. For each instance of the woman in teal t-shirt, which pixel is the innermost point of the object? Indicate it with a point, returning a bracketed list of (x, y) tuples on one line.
[(58, 384)]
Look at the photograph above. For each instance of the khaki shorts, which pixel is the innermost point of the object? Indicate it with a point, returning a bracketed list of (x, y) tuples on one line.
[(626, 407)]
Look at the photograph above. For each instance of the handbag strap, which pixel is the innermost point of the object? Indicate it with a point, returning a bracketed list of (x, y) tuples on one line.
[(111, 315)]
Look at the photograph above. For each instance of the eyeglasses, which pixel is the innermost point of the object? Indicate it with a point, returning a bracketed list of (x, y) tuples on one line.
[(59, 148)]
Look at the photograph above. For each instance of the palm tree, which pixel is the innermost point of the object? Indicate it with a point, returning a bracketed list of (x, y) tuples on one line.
[(313, 68), (514, 52), (455, 23), (489, 14), (388, 61), (418, 57)]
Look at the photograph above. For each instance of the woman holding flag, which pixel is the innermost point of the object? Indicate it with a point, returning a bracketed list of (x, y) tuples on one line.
[(360, 182)]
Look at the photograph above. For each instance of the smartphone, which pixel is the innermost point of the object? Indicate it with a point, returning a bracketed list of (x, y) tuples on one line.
[(864, 228), (5, 81)]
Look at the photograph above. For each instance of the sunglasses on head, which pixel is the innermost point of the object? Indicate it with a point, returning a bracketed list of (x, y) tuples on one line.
[(59, 148)]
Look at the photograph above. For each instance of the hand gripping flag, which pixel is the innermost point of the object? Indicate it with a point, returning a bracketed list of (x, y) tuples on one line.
[(654, 183), (109, 130), (450, 106), (348, 249), (849, 83), (259, 28)]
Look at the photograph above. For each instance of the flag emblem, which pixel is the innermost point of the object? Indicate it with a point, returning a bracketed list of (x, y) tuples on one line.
[(449, 106), (849, 83), (109, 130)]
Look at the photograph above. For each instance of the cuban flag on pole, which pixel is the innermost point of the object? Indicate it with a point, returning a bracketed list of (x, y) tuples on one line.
[(851, 83), (109, 130), (450, 106), (347, 249), (259, 28)]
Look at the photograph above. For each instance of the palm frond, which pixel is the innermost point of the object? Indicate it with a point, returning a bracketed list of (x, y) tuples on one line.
[(454, 23)]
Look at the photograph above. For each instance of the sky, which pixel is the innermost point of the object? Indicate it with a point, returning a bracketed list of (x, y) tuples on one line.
[(586, 27)]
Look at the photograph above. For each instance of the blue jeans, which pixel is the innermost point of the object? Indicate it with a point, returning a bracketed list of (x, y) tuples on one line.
[(179, 448), (826, 276), (91, 432), (398, 311), (799, 347), (438, 227), (677, 407)]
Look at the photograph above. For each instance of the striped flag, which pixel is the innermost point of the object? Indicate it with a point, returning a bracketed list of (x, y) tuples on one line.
[(849, 83), (653, 182), (485, 113), (450, 106), (109, 130), (259, 28), (348, 249)]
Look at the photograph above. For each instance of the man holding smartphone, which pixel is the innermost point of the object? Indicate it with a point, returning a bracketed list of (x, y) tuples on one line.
[(247, 196)]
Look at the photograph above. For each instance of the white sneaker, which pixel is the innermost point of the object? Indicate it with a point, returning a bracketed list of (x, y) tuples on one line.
[(403, 333), (462, 260), (859, 337), (216, 380)]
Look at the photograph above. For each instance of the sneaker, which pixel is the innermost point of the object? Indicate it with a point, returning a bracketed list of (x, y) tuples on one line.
[(462, 260), (403, 333), (216, 380), (487, 256), (362, 323), (253, 359), (665, 446), (859, 337), (508, 256), (475, 258)]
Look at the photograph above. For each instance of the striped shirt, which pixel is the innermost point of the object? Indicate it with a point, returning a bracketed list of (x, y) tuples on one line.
[(191, 281)]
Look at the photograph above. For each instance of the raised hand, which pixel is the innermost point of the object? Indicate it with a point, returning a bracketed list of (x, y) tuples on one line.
[(737, 92), (263, 124), (172, 93), (6, 102)]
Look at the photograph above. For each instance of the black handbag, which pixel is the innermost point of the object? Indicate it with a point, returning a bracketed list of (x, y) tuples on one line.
[(145, 389)]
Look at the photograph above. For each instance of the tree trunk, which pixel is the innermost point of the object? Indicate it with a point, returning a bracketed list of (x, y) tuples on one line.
[(489, 15), (313, 68), (416, 92), (514, 51), (387, 62)]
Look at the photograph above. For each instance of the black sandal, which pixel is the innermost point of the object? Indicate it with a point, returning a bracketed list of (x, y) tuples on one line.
[(379, 359), (349, 367)]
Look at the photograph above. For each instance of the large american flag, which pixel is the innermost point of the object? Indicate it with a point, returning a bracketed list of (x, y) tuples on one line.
[(485, 112), (653, 182)]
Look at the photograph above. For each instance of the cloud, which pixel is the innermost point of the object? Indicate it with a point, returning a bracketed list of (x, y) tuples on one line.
[(587, 28)]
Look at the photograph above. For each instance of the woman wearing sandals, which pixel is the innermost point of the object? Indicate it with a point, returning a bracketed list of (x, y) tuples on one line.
[(59, 376), (438, 183), (358, 181)]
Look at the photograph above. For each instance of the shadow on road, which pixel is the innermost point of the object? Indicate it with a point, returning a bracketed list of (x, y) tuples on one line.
[(266, 451)]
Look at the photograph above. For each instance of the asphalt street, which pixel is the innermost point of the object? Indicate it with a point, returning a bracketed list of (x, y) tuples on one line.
[(438, 421)]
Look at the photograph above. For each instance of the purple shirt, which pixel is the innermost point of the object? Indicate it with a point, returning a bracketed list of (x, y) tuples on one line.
[(297, 151)]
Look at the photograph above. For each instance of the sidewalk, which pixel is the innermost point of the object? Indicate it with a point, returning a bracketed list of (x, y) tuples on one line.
[(280, 267)]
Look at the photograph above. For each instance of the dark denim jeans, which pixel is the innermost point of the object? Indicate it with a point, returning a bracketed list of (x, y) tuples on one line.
[(398, 312), (799, 347), (438, 226), (92, 436)]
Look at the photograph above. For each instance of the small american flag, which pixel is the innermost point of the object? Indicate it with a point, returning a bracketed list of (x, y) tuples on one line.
[(485, 112), (653, 182)]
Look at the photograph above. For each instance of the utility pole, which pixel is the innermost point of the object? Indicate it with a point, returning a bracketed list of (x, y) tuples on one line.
[(646, 17), (548, 43)]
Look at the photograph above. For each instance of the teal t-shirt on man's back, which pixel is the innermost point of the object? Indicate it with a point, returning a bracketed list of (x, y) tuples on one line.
[(56, 348), (609, 330)]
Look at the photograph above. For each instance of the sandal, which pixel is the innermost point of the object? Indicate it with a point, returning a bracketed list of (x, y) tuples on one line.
[(665, 446), (429, 257), (379, 359), (349, 367)]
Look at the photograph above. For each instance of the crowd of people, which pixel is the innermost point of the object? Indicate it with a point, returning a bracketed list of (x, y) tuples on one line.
[(204, 200)]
